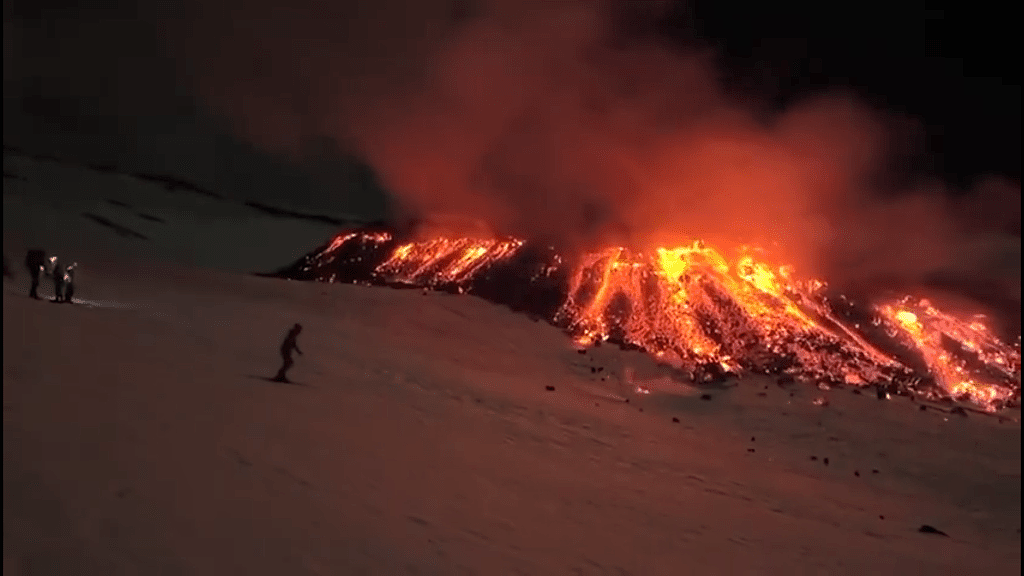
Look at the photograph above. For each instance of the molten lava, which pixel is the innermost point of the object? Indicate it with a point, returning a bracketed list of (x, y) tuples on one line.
[(699, 310)]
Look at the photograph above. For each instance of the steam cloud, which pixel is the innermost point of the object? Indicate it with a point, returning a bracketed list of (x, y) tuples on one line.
[(545, 119)]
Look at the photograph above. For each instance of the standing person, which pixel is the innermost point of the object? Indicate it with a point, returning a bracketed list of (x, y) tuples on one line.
[(35, 261), (287, 346), (57, 271), (69, 282)]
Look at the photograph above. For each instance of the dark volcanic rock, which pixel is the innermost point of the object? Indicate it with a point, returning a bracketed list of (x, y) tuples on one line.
[(929, 529)]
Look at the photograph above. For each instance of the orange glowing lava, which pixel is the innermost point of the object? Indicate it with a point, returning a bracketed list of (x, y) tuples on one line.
[(694, 305)]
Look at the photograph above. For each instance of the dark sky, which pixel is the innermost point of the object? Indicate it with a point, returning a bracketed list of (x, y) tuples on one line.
[(954, 67), (98, 74)]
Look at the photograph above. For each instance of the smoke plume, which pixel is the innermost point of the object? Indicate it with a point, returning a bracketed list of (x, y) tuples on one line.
[(552, 119)]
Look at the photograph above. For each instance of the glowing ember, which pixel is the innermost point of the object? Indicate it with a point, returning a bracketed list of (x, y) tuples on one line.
[(700, 310)]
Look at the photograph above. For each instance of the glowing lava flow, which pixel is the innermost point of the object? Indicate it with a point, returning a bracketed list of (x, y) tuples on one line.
[(693, 307), (950, 347)]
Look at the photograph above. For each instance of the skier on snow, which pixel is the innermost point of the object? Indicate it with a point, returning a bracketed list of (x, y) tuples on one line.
[(287, 347)]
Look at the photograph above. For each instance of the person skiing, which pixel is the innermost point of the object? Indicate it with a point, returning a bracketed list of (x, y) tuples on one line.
[(69, 282), (287, 346), (35, 261), (57, 271)]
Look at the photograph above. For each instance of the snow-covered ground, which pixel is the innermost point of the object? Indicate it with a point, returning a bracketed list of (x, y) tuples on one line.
[(140, 436)]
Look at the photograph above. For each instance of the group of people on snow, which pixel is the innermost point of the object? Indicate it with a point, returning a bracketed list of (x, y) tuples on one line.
[(63, 276), (39, 264)]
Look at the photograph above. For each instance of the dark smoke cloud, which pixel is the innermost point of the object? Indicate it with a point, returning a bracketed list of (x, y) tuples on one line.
[(555, 120)]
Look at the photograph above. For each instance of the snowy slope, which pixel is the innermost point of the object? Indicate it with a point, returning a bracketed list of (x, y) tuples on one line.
[(62, 206), (140, 437)]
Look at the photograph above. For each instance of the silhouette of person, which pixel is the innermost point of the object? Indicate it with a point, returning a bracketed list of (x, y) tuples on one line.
[(287, 346), (69, 282), (57, 271), (35, 261)]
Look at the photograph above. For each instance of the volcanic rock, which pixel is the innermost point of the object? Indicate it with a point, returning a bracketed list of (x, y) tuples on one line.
[(929, 529)]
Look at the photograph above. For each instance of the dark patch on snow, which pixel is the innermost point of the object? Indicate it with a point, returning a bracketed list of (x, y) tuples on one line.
[(286, 213), (929, 529), (118, 228), (118, 203), (173, 184), (150, 217)]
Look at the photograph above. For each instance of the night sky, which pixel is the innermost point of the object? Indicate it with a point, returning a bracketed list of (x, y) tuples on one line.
[(954, 68), (93, 79)]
